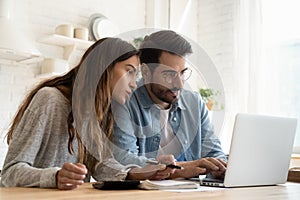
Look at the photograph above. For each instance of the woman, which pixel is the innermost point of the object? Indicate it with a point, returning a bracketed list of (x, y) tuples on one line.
[(61, 134)]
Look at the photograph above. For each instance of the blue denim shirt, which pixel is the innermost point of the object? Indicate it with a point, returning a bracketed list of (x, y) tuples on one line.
[(137, 128)]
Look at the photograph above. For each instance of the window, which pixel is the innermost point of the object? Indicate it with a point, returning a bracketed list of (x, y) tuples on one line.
[(281, 41)]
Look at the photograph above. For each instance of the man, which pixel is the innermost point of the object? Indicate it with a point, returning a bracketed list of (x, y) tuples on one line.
[(165, 118)]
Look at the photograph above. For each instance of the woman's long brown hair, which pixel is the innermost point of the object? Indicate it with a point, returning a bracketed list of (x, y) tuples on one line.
[(99, 59)]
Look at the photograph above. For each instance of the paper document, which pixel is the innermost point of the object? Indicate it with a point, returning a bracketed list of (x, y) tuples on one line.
[(167, 185)]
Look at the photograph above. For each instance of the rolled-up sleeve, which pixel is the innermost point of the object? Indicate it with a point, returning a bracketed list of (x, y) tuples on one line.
[(112, 170)]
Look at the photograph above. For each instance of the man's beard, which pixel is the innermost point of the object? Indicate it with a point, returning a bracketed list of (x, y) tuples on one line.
[(161, 93)]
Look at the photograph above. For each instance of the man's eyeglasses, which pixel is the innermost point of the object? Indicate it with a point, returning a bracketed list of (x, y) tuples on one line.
[(170, 76)]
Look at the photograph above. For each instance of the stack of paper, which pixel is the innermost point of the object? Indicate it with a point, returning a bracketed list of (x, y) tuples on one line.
[(167, 185)]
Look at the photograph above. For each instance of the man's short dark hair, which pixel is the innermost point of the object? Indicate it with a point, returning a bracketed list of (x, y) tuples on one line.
[(165, 40)]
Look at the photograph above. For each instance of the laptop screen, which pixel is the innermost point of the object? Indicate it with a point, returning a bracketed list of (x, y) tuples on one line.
[(260, 150)]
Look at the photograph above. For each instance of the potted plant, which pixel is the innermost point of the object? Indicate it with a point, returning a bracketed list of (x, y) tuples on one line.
[(208, 95), (137, 42)]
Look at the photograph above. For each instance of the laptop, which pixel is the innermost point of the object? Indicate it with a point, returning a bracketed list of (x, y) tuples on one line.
[(260, 151)]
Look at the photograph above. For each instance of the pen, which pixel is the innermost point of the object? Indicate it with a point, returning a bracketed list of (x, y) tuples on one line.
[(155, 162), (174, 166)]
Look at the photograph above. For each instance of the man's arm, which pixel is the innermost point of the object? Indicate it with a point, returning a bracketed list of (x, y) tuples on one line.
[(212, 159), (125, 148), (210, 143)]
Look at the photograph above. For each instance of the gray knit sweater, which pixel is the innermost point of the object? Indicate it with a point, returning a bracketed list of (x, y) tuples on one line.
[(39, 146)]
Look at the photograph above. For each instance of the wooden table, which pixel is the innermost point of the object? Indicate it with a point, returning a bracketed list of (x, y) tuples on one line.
[(286, 191)]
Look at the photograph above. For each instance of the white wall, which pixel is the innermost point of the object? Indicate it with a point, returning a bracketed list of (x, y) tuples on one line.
[(216, 32), (38, 18)]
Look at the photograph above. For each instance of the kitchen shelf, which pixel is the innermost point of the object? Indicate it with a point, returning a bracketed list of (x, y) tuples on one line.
[(14, 57), (60, 40), (70, 44)]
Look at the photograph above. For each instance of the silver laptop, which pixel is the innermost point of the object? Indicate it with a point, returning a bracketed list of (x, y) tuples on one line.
[(260, 151)]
